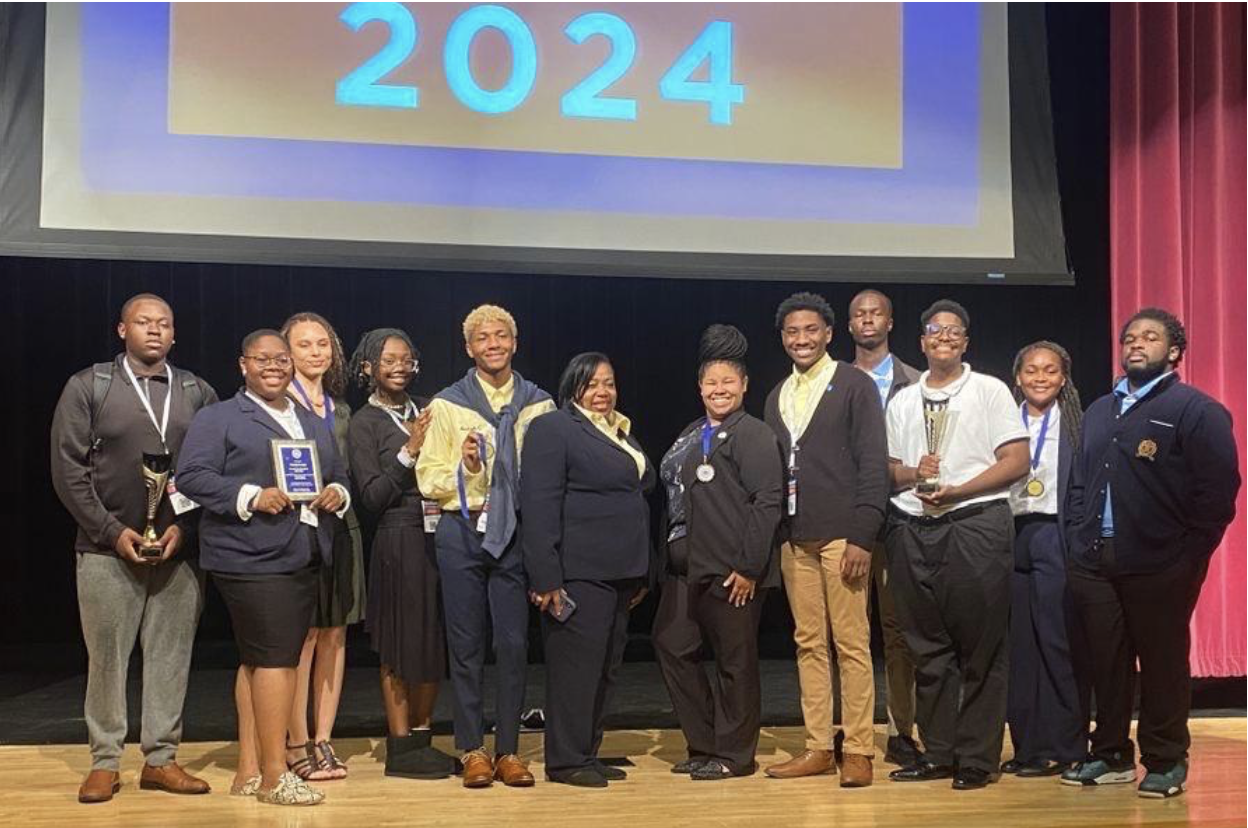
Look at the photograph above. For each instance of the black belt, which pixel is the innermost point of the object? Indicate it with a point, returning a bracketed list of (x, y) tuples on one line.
[(949, 517)]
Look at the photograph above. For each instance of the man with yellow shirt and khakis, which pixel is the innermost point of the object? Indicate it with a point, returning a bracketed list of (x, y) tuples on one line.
[(827, 417), (470, 465)]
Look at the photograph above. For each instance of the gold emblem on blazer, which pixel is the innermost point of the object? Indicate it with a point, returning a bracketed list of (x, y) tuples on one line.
[(1146, 449)]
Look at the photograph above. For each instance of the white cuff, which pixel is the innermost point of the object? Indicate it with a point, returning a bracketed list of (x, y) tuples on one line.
[(346, 498), (406, 459), (242, 504)]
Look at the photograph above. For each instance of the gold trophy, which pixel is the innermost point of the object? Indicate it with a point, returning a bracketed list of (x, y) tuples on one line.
[(935, 423), (156, 468)]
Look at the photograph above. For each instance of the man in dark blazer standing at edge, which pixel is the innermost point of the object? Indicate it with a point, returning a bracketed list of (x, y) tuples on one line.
[(1153, 491), (870, 323), (828, 419), (108, 416)]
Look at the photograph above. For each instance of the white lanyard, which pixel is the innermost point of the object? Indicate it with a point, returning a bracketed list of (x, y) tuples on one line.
[(410, 412), (163, 425)]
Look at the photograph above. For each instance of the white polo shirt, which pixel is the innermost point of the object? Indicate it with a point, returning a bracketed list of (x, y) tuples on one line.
[(1022, 503), (982, 417)]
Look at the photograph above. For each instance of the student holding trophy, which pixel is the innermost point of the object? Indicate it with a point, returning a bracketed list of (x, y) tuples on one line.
[(273, 488), (956, 443), (116, 429)]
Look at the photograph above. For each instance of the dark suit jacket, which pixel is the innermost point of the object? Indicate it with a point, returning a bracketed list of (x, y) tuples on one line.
[(227, 446), (583, 510), (903, 375), (732, 520)]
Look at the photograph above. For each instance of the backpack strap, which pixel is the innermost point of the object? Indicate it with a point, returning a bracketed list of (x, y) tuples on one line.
[(101, 381)]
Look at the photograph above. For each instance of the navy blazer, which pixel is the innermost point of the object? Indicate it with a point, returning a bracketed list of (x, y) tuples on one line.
[(228, 446), (583, 509)]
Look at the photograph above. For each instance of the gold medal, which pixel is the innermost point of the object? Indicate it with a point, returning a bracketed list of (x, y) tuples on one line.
[(1034, 487), (1147, 450)]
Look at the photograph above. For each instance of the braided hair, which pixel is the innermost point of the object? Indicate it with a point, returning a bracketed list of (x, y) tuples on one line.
[(369, 350), (1068, 402), (722, 343), (335, 379)]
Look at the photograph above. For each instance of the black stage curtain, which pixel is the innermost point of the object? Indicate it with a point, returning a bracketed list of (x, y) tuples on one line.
[(59, 315)]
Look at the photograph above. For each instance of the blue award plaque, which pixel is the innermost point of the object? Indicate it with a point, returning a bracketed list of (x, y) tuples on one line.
[(297, 469)]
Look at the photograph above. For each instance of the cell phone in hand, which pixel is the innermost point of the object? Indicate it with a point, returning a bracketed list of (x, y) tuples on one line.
[(569, 607)]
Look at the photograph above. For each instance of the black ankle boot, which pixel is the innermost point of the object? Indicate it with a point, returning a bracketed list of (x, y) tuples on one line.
[(412, 757)]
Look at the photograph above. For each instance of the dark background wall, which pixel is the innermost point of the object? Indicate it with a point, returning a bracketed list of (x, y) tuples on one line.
[(59, 315)]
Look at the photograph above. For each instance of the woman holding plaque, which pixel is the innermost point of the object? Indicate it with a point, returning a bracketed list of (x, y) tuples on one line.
[(318, 384), (273, 490), (723, 478), (1046, 710), (586, 540), (404, 617)]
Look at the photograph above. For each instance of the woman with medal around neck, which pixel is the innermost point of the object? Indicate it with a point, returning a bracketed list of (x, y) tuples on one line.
[(723, 478), (318, 384), (1046, 710), (404, 619)]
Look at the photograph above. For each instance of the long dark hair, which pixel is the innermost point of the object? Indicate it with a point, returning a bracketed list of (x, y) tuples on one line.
[(575, 379), (335, 379), (1068, 402)]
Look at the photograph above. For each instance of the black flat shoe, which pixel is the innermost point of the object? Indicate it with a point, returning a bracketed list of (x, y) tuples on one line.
[(688, 766), (1035, 770), (1012, 766), (609, 773), (902, 751), (968, 779), (922, 771), (581, 778)]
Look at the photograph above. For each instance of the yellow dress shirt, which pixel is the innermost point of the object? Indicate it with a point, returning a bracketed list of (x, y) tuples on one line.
[(613, 425), (442, 452), (796, 406)]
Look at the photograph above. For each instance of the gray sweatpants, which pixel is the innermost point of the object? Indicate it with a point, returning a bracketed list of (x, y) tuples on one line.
[(159, 606)]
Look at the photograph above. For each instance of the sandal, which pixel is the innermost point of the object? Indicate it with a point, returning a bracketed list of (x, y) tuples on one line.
[(308, 766), (290, 790), (247, 788), (330, 761)]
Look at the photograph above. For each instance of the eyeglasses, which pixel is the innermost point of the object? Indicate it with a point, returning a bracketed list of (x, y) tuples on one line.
[(406, 364), (281, 361), (953, 332)]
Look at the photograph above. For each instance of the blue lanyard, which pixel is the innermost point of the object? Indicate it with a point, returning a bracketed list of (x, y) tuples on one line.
[(329, 403), (1044, 430), (460, 486), (708, 431)]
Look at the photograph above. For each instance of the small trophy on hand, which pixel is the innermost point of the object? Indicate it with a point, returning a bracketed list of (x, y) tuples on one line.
[(935, 423), (156, 468)]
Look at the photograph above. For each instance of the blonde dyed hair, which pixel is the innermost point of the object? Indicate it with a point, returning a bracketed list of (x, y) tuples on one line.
[(483, 314)]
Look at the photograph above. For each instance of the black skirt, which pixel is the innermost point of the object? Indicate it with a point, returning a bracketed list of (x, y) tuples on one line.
[(270, 613), (404, 617)]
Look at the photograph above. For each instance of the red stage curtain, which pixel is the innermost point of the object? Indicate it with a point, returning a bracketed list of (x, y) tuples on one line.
[(1177, 221)]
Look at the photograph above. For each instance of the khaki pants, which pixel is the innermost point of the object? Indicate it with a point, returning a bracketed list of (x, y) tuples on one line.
[(898, 663), (820, 598)]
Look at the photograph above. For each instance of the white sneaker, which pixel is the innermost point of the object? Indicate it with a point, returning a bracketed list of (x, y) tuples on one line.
[(291, 790)]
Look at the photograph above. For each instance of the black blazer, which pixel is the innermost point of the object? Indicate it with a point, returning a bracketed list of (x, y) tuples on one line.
[(732, 520), (583, 510)]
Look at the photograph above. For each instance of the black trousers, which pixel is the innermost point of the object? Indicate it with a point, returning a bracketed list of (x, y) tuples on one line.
[(1145, 617), (951, 581), (583, 655), (1045, 708), (720, 720)]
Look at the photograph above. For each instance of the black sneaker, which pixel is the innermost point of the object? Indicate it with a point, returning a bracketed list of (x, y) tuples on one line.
[(689, 765)]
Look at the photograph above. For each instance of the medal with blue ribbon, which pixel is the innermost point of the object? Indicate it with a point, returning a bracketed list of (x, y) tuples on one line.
[(705, 471), (1034, 487)]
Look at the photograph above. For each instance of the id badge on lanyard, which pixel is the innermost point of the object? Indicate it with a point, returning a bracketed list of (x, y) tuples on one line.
[(791, 486), (181, 503)]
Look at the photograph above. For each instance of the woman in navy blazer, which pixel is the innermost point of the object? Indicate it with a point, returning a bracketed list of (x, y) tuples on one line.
[(263, 551), (1047, 709), (585, 530)]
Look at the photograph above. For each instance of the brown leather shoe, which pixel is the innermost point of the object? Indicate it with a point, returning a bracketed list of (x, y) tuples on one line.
[(99, 786), (810, 763), (478, 769), (512, 771), (856, 772), (172, 779)]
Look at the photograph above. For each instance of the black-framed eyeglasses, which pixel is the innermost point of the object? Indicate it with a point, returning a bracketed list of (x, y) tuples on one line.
[(951, 331), (281, 361)]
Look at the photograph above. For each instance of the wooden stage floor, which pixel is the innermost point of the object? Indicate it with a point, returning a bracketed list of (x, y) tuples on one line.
[(40, 784)]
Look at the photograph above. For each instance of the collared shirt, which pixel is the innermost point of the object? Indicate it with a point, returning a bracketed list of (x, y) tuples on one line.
[(982, 418), (1046, 504), (799, 396), (883, 376), (616, 427), (439, 458), (289, 422), (1126, 399)]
